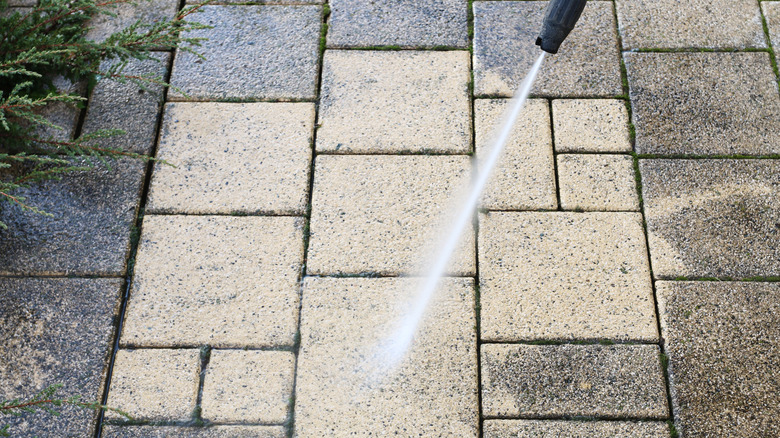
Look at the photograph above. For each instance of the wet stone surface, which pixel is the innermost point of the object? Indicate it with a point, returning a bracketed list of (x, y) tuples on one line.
[(193, 432), (574, 429)]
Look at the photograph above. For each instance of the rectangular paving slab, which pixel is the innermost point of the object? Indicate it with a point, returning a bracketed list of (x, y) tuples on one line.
[(597, 182), (574, 429), (193, 432), (591, 125)]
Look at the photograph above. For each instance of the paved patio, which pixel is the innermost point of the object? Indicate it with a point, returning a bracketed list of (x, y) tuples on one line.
[(622, 278)]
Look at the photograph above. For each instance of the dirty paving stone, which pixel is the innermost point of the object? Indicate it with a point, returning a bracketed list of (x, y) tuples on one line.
[(574, 429), (591, 125), (56, 331), (723, 342), (127, 14), (772, 14), (597, 182), (113, 431)]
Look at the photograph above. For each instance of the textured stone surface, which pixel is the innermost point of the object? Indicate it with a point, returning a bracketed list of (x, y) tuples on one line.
[(588, 63), (55, 331), (524, 177), (346, 384), (591, 125), (229, 157), (723, 342), (114, 105), (597, 182), (155, 385), (193, 432), (406, 23), (89, 233), (772, 15), (253, 52), (573, 380), (31, 3), (574, 429), (147, 11), (248, 386), (704, 103), (221, 281), (671, 24), (382, 214), (558, 275), (712, 218), (65, 116), (391, 101)]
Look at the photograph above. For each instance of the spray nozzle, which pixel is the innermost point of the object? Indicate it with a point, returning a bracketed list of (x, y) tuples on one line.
[(559, 20)]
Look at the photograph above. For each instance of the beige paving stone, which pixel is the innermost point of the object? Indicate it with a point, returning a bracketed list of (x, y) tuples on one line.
[(573, 380), (597, 182), (385, 214), (248, 386), (219, 281), (193, 432), (555, 275), (524, 178), (346, 385), (231, 157), (155, 385), (591, 125), (147, 11), (771, 12), (393, 101), (574, 429)]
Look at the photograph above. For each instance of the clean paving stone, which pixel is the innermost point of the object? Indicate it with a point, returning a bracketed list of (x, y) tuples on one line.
[(712, 218), (193, 432), (385, 214), (723, 343), (597, 182), (252, 52), (230, 157), (406, 23), (220, 281), (348, 382), (561, 275), (93, 214), (588, 63), (56, 331), (148, 12), (248, 386), (394, 101), (154, 385), (591, 125), (573, 380), (574, 429), (704, 103), (670, 24), (772, 14), (524, 177)]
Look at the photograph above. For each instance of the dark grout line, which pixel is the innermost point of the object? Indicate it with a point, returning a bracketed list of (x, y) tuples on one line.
[(753, 279), (546, 96), (554, 156), (696, 50), (205, 357), (383, 275)]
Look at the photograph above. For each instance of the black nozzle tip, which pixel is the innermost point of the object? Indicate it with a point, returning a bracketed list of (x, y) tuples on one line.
[(547, 45)]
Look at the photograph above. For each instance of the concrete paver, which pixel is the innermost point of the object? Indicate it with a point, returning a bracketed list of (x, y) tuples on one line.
[(590, 125), (771, 12), (574, 429), (194, 432), (127, 14), (597, 182)]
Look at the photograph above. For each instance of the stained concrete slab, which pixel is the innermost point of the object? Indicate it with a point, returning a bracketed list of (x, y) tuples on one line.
[(670, 24), (56, 331), (771, 12), (90, 231), (591, 125), (347, 384), (229, 158), (394, 101), (561, 275), (573, 380), (222, 281), (597, 182), (252, 52), (524, 177), (704, 103), (723, 342), (406, 23), (383, 214), (712, 218), (588, 63), (148, 12), (574, 429), (193, 432)]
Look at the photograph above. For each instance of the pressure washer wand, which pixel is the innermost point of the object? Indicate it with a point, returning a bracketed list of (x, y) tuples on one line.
[(559, 20)]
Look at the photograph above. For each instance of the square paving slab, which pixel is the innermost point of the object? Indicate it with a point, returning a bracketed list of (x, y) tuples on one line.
[(772, 14), (194, 432), (220, 281), (556, 275), (574, 429), (723, 342), (704, 103), (591, 125), (588, 63), (712, 218), (597, 182), (148, 12), (345, 384), (394, 101), (230, 157), (252, 52)]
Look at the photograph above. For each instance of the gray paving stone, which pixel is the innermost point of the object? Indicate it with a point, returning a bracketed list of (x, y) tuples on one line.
[(704, 103), (771, 12), (712, 218), (591, 125), (573, 380), (574, 429), (252, 52), (64, 116), (394, 101), (193, 432), (670, 24), (588, 63), (56, 331), (406, 23), (89, 233), (723, 342), (557, 275), (31, 3), (344, 386), (597, 182), (148, 12)]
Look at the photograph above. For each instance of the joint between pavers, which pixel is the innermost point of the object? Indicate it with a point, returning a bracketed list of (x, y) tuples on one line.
[(575, 417)]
